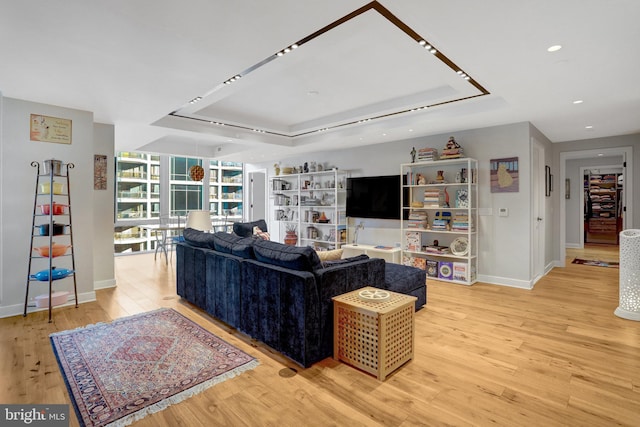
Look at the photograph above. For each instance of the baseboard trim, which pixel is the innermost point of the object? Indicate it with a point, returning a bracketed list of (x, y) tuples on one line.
[(504, 281), (104, 284), (18, 309)]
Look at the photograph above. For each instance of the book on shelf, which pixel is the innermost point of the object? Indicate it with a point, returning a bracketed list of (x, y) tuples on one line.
[(437, 250), (452, 153), (463, 272), (433, 198), (413, 241), (420, 263), (432, 268), (427, 154), (460, 271), (445, 270), (412, 261), (417, 220)]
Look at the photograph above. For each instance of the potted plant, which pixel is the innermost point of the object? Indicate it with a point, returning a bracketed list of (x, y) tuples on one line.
[(291, 236)]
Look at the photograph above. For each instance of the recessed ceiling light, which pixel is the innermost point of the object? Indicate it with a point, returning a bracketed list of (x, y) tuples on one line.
[(410, 130), (588, 127), (600, 154), (578, 101), (554, 48)]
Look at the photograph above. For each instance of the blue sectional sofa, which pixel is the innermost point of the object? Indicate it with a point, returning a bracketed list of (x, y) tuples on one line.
[(278, 294)]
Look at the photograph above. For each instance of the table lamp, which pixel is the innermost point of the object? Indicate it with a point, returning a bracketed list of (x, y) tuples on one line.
[(199, 220)]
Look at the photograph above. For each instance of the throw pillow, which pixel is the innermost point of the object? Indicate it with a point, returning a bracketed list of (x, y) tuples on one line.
[(245, 229), (330, 255), (262, 234)]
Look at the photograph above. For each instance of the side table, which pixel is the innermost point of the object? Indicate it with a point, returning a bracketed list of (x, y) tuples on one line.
[(375, 336)]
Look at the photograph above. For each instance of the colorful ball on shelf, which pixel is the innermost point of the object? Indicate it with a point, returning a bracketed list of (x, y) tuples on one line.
[(196, 172)]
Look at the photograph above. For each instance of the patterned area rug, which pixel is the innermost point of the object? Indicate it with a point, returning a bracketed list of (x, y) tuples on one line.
[(119, 372), (595, 263)]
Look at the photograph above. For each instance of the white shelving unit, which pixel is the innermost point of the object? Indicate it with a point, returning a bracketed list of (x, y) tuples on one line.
[(313, 203), (440, 218)]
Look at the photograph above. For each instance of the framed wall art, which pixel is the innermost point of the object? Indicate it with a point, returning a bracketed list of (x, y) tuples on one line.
[(504, 175), (50, 129), (99, 172)]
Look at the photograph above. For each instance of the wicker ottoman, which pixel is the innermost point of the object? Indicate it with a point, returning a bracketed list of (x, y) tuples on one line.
[(374, 336)]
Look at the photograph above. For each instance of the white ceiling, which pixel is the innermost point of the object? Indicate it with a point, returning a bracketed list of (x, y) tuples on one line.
[(138, 64)]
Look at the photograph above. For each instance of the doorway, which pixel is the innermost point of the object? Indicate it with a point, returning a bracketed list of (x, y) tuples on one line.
[(627, 198), (601, 202), (257, 195), (538, 211)]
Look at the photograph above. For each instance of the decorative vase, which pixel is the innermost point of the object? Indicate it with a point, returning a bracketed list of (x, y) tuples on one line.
[(291, 238)]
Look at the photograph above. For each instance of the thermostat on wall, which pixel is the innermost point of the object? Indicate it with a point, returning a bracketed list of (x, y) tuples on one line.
[(503, 212)]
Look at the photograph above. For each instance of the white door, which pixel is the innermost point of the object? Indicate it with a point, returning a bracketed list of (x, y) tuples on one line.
[(257, 195), (538, 211)]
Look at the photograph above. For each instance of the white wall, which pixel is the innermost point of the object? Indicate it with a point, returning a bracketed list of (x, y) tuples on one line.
[(17, 185), (504, 241), (103, 211)]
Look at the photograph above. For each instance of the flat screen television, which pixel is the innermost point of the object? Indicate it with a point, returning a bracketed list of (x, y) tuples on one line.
[(374, 197)]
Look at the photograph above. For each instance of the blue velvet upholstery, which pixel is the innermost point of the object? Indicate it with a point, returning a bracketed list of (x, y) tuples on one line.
[(190, 270), (280, 308), (290, 310), (407, 280), (245, 229), (244, 247), (223, 284), (198, 238), (301, 258), (223, 242)]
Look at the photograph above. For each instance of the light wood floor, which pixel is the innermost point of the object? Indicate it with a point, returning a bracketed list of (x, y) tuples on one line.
[(485, 355)]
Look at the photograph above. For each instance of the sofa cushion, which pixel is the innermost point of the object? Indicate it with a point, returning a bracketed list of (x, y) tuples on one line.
[(223, 242), (198, 238), (243, 248), (293, 257), (245, 229)]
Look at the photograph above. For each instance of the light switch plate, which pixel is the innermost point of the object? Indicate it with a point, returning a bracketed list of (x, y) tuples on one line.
[(503, 212)]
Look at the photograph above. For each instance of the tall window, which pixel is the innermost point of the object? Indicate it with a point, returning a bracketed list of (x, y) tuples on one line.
[(140, 194), (185, 198)]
